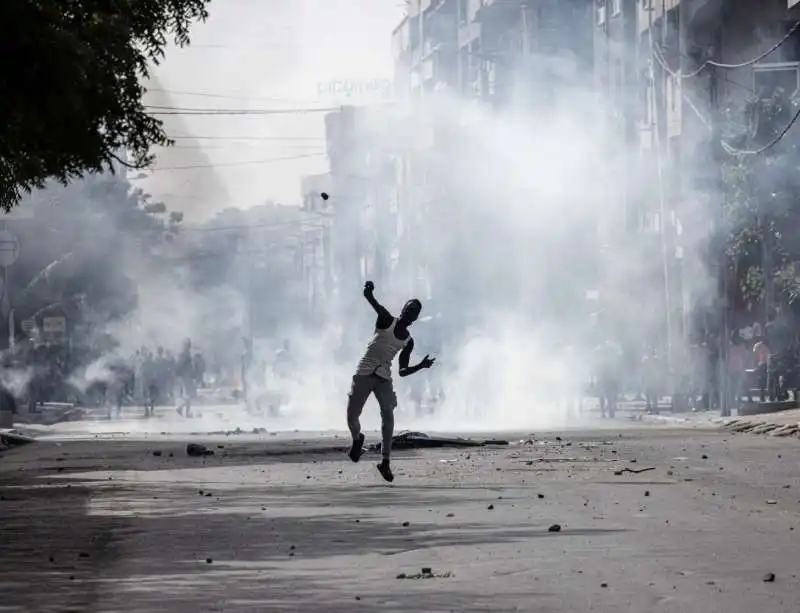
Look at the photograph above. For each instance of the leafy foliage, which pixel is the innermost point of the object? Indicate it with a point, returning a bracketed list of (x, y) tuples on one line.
[(71, 81), (762, 201), (79, 244)]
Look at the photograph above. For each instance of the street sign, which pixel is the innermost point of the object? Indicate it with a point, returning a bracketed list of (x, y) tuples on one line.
[(54, 325), (9, 248), (28, 325)]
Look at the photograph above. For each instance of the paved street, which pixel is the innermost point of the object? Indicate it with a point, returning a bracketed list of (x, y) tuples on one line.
[(282, 525)]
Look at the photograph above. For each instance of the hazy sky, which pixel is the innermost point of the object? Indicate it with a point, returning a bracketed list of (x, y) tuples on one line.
[(272, 54)]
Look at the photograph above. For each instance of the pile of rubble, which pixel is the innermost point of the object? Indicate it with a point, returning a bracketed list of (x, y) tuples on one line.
[(755, 426)]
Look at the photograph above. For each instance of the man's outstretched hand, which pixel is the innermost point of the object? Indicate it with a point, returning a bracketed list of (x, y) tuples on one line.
[(369, 287), (427, 362)]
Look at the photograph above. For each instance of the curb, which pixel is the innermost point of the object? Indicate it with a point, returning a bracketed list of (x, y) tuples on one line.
[(754, 426)]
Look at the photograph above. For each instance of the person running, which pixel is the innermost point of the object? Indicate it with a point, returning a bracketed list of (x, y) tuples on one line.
[(374, 375)]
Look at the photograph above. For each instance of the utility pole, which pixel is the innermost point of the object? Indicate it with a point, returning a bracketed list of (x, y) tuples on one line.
[(720, 233)]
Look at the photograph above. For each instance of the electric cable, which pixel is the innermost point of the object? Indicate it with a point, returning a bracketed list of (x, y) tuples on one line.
[(244, 138), (243, 163), (658, 54), (730, 149), (177, 92), (748, 152), (172, 110)]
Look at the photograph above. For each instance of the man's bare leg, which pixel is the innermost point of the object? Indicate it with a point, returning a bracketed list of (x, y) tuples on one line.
[(359, 392)]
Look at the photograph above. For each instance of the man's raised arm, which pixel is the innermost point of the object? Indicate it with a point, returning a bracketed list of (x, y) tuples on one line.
[(384, 316), (404, 370)]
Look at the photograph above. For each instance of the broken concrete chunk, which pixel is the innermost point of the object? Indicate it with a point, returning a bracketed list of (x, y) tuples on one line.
[(195, 450)]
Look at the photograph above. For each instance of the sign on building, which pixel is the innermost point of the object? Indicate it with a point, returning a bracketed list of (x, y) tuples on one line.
[(54, 325), (350, 91), (9, 248)]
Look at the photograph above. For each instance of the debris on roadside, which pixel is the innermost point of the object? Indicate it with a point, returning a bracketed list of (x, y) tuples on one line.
[(769, 578), (426, 573), (420, 440), (635, 471), (196, 450)]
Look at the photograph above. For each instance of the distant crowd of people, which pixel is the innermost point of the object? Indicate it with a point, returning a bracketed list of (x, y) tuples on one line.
[(761, 362), (151, 378)]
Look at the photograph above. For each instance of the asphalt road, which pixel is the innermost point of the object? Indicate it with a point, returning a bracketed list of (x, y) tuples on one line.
[(291, 526)]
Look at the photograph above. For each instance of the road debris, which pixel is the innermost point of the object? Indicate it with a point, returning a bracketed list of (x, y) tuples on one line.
[(196, 450), (635, 471), (426, 573), (420, 440)]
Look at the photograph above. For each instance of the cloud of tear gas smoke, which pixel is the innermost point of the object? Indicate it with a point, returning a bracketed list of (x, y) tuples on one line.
[(16, 380), (533, 280), (513, 235)]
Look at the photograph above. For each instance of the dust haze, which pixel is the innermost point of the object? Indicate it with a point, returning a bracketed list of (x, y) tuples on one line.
[(516, 248)]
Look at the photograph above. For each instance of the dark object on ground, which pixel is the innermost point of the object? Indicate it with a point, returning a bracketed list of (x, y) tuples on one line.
[(198, 451), (324, 196), (554, 528), (10, 438), (635, 471), (769, 578), (420, 440)]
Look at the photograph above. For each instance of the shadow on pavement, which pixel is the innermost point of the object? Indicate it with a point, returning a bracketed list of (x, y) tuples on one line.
[(127, 547)]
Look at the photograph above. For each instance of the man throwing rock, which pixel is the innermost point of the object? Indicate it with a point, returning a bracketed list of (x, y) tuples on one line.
[(374, 375)]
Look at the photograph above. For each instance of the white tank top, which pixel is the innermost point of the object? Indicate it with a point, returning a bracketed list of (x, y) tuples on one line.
[(380, 352)]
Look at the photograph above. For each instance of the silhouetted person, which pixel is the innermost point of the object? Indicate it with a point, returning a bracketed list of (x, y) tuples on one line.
[(374, 374), (186, 377)]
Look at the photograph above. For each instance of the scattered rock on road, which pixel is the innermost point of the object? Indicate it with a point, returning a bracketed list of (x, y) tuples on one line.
[(195, 450)]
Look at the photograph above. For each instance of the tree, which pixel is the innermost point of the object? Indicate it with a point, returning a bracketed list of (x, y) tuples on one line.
[(72, 93), (762, 203), (79, 245)]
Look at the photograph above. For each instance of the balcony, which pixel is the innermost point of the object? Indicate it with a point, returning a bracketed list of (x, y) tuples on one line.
[(701, 13), (493, 9)]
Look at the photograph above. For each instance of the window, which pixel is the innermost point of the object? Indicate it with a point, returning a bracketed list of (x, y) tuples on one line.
[(463, 9), (768, 78), (616, 7), (601, 13)]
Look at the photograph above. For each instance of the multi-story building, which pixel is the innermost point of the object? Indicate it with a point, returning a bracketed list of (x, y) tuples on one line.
[(363, 183), (675, 73), (317, 263)]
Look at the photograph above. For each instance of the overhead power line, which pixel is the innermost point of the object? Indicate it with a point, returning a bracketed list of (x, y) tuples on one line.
[(745, 152), (730, 149), (172, 110), (658, 54), (177, 92), (255, 138), (244, 163)]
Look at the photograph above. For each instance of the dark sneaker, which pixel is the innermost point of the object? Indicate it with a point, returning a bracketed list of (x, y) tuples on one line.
[(357, 448), (386, 471)]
